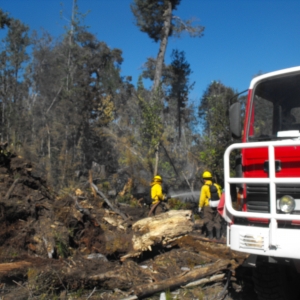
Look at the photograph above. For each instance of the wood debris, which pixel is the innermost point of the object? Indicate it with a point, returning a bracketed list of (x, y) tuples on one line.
[(82, 240)]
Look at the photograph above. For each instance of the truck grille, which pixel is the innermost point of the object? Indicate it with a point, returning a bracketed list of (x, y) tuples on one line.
[(258, 195)]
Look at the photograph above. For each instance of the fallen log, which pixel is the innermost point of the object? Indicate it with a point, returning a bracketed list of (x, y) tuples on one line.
[(130, 298), (23, 265), (180, 280), (204, 239), (7, 267), (123, 277), (159, 230), (162, 228), (214, 278)]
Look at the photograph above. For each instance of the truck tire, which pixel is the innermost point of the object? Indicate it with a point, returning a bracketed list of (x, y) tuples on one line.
[(276, 282)]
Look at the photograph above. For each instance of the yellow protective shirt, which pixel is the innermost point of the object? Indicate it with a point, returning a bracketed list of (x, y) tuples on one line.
[(205, 193), (156, 192)]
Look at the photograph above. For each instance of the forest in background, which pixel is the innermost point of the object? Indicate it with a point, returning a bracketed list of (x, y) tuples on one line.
[(65, 106)]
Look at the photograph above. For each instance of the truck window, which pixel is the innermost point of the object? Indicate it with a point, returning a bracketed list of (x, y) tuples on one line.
[(275, 107), (295, 112), (263, 117)]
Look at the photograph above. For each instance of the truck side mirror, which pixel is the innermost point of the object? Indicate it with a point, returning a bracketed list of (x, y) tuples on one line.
[(235, 119)]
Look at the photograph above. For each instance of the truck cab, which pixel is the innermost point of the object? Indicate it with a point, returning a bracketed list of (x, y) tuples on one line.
[(266, 224)]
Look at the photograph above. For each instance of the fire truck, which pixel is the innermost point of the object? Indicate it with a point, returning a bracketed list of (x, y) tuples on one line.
[(263, 170)]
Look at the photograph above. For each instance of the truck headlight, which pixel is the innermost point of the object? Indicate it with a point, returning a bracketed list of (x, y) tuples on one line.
[(287, 204)]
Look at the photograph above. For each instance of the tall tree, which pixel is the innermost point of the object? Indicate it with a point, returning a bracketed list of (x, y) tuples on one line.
[(155, 17), (151, 125), (213, 111), (175, 134), (13, 59), (179, 72), (77, 83)]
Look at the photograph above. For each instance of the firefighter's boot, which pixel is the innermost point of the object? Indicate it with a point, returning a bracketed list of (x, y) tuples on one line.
[(210, 235), (218, 234)]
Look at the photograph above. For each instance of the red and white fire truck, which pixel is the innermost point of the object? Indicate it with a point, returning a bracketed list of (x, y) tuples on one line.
[(266, 224)]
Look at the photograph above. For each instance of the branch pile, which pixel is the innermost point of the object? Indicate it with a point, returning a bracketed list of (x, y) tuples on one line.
[(59, 245)]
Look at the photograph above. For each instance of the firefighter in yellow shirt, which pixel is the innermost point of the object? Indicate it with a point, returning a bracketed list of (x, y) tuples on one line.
[(157, 195), (208, 202)]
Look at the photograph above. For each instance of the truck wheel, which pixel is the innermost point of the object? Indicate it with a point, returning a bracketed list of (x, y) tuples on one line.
[(276, 282)]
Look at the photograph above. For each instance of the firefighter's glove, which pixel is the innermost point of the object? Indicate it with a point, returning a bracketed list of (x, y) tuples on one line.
[(199, 209)]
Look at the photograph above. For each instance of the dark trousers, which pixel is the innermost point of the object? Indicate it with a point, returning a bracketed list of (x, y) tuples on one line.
[(161, 207), (212, 219)]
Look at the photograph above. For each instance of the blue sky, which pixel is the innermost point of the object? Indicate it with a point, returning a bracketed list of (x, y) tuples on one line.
[(241, 37)]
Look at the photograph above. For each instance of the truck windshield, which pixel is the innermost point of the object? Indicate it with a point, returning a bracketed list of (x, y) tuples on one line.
[(275, 108)]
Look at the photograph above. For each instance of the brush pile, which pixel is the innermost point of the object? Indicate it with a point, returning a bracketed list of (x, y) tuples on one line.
[(84, 246)]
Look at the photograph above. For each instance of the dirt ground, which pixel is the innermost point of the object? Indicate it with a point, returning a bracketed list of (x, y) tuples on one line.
[(69, 247)]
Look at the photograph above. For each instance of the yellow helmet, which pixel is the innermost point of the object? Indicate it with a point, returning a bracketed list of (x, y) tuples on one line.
[(206, 175), (157, 178)]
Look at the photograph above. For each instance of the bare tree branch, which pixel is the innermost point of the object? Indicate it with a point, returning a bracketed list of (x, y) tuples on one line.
[(187, 25)]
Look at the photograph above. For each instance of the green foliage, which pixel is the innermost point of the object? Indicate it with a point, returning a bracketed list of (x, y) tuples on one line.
[(68, 110), (168, 295), (125, 199), (179, 72), (13, 81), (105, 186), (73, 87), (176, 204), (150, 15), (134, 202), (213, 112), (14, 254), (78, 294), (61, 246), (151, 126), (5, 153), (4, 19), (166, 168)]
